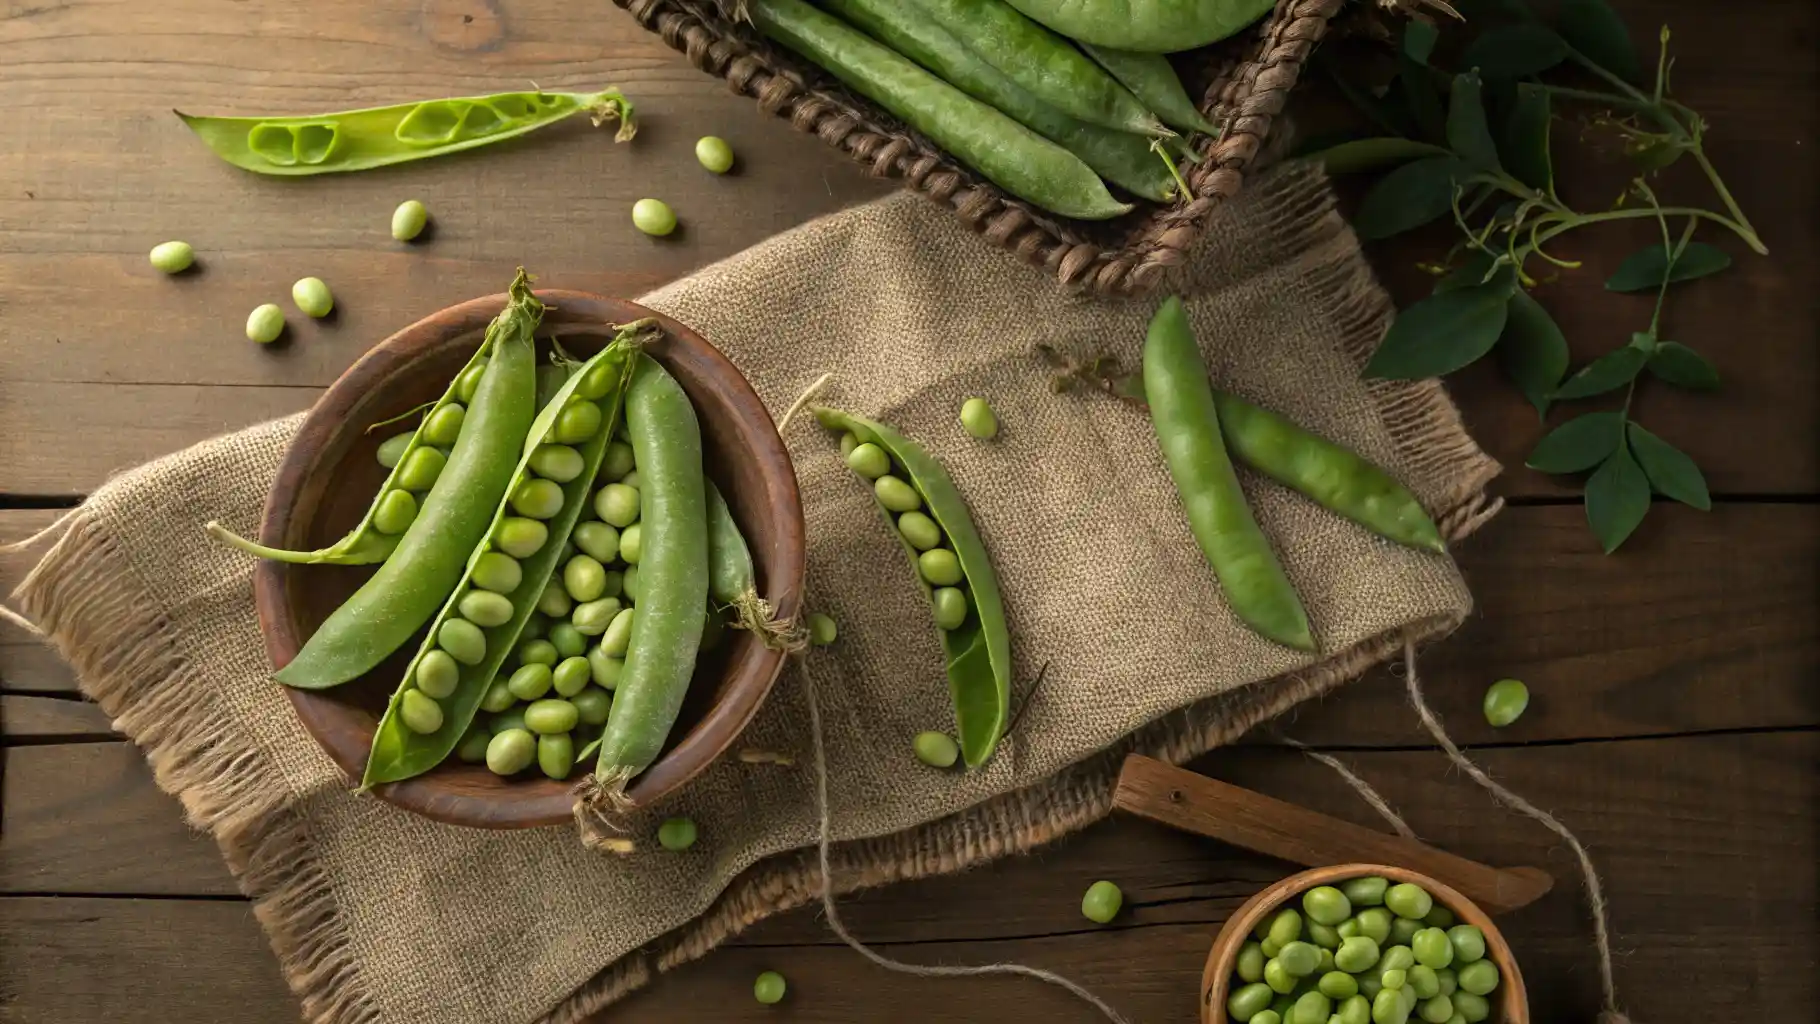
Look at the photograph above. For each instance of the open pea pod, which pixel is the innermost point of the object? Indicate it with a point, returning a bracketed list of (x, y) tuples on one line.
[(355, 140), (402, 745), (978, 648)]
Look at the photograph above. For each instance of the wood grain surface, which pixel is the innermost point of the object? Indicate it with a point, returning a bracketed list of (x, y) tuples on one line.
[(1675, 724)]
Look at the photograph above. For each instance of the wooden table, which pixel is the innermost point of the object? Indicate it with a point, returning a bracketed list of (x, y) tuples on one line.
[(1674, 725)]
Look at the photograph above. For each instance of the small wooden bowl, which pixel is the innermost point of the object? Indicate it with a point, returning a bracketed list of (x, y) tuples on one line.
[(330, 474), (1512, 1005)]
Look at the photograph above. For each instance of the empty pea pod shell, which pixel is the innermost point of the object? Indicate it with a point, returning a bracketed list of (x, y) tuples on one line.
[(979, 651), (1147, 26), (399, 753), (355, 140)]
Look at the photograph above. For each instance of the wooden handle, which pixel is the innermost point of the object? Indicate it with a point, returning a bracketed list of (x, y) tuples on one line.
[(1195, 803)]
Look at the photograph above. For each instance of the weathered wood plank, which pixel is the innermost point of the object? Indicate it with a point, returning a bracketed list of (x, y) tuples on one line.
[(50, 719)]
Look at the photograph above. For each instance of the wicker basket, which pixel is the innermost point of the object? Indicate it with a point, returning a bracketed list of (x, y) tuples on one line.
[(1244, 82)]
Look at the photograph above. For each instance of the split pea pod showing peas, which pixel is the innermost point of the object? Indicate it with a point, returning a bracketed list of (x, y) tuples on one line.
[(355, 140), (957, 575), (1188, 429), (1013, 157), (483, 616), (424, 568)]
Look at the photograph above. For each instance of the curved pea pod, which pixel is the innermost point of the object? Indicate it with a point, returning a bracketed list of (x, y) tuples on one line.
[(421, 572), (1013, 157), (732, 581), (1188, 429), (979, 649), (1146, 26), (355, 140), (1152, 80), (1335, 478), (400, 753)]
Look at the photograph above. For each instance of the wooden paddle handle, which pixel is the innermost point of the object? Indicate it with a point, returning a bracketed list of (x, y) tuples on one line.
[(1195, 803)]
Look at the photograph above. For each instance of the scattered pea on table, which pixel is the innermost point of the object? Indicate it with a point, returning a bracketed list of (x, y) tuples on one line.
[(265, 323), (172, 257), (822, 629), (714, 154), (978, 419), (409, 220), (1505, 702), (312, 297), (1101, 902), (936, 749), (769, 988), (653, 217), (680, 834)]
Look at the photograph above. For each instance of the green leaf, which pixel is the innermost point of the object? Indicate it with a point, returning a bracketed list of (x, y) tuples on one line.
[(1515, 51), (1658, 155), (1526, 148), (1532, 350), (1579, 444), (1681, 366), (1610, 371), (1593, 28), (1617, 498), (1444, 332), (1419, 38), (1476, 270), (1643, 270), (1670, 471), (1408, 197), (1468, 134), (1373, 154)]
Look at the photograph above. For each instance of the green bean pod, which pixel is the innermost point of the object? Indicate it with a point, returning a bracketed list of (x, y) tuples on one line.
[(672, 581), (1147, 26), (1152, 79), (401, 752), (978, 648), (1335, 478), (355, 140), (1044, 63), (1122, 158), (1188, 429), (428, 561), (1010, 155)]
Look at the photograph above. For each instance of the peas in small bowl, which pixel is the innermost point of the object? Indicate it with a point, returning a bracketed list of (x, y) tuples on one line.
[(1329, 943)]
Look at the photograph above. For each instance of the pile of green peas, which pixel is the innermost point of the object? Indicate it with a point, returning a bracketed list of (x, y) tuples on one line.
[(936, 563), (396, 509), (1367, 952)]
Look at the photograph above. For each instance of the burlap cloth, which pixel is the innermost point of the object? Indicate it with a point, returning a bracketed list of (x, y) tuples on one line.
[(377, 915)]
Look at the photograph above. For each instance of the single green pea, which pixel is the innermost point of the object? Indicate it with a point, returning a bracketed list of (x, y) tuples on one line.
[(539, 499), (848, 442), (1457, 1017), (822, 629), (1267, 1016), (486, 609), (1348, 928), (1403, 929), (1439, 917), (677, 834), (592, 705), (463, 640), (1431, 947), (571, 676), (617, 462), (1437, 1009), (469, 381), (1388, 1008), (869, 461), (936, 749), (599, 540), (550, 716), (520, 537), (421, 468), (1271, 947), (556, 755), (1324, 935), (713, 153), (1474, 1008), (1397, 958), (395, 512), (631, 544), (1468, 943), (392, 449), (420, 713), (531, 681), (312, 297), (555, 601), (1478, 978), (567, 640), (1425, 980), (577, 423), (1370, 986), (1375, 922), (1505, 702), (1409, 900), (1355, 1009), (591, 618), (1279, 978), (618, 636), (1326, 966), (653, 217), (473, 746), (1446, 981), (1367, 891), (630, 479), (443, 426), (511, 752), (497, 572), (1338, 985), (606, 668), (538, 652), (978, 419), (950, 607), (1101, 903), (557, 462), (498, 697), (1250, 965), (617, 505), (1311, 1008), (265, 323), (939, 567), (1326, 905), (1285, 927), (584, 578), (409, 220), (1356, 955), (770, 986), (1395, 977), (172, 257), (628, 583), (1408, 993), (1245, 1004), (1299, 958), (919, 531), (896, 495), (437, 674)]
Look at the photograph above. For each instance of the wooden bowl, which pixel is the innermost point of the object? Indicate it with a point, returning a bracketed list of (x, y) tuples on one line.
[(330, 474), (1512, 1006)]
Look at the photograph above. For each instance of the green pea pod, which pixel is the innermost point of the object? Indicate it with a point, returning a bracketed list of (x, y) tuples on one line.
[(1188, 428), (979, 650), (413, 582), (1011, 156), (1122, 158), (356, 140), (1152, 79), (550, 379), (401, 753), (732, 580), (1336, 479), (672, 579), (1147, 26)]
